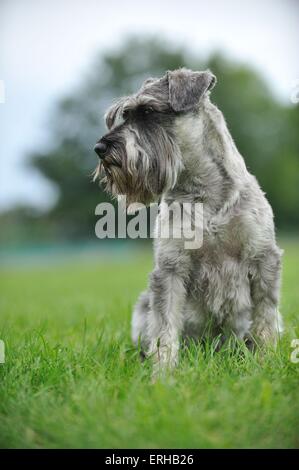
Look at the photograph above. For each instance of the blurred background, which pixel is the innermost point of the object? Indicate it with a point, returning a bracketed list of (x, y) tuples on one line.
[(63, 62)]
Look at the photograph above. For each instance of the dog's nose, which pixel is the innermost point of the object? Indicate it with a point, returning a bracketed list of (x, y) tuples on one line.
[(101, 148)]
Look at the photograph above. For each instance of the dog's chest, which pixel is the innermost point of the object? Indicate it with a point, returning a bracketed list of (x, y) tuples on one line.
[(218, 276)]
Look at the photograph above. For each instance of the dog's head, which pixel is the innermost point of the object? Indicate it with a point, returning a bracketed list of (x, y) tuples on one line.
[(140, 154)]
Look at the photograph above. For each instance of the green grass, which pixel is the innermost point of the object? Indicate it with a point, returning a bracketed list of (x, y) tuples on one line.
[(72, 379)]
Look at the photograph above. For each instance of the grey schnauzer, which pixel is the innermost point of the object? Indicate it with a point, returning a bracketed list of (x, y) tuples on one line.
[(168, 142)]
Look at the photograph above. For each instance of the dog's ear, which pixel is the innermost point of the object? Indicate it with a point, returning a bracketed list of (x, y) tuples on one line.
[(187, 87)]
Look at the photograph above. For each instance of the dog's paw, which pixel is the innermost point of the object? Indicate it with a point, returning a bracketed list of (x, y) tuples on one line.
[(164, 359)]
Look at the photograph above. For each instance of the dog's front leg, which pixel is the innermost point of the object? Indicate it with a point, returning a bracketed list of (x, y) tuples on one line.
[(267, 323), (167, 298)]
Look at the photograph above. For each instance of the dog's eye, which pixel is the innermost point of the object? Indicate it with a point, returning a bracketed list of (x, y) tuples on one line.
[(125, 114), (148, 110)]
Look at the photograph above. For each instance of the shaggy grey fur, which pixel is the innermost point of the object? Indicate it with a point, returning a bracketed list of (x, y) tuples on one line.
[(169, 141)]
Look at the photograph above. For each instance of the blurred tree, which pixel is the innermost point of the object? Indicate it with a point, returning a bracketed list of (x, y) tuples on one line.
[(265, 130)]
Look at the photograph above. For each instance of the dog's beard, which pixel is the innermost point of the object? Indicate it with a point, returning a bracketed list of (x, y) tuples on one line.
[(131, 171), (118, 182)]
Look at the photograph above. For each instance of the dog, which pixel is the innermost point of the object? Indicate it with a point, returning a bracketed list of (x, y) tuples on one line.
[(168, 142)]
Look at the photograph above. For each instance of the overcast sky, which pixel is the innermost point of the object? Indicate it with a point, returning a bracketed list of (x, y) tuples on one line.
[(46, 46)]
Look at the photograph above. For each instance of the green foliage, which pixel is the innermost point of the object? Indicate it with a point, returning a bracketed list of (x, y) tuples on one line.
[(72, 379), (265, 130)]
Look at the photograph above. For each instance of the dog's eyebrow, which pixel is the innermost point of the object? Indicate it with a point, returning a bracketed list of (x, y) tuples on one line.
[(110, 117), (145, 101), (149, 100), (114, 113)]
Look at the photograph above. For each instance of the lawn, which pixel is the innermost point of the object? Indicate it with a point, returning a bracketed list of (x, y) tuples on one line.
[(71, 378)]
